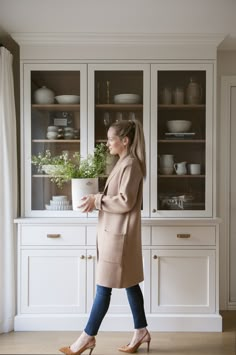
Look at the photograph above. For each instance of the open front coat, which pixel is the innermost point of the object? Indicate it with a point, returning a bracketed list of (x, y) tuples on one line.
[(119, 249)]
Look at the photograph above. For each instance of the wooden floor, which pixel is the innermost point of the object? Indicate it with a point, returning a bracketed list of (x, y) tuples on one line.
[(107, 342)]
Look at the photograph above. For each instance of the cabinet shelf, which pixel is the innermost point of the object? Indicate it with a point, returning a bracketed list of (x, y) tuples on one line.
[(56, 141), (202, 141), (56, 107), (180, 176), (101, 140), (181, 107), (116, 107)]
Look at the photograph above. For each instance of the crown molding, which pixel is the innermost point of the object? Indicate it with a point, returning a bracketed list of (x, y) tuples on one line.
[(130, 39), (229, 43)]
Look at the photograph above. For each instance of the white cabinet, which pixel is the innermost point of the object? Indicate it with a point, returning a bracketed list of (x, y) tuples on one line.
[(184, 269), (55, 270), (56, 249), (53, 281), (182, 192), (183, 281), (173, 193), (57, 277)]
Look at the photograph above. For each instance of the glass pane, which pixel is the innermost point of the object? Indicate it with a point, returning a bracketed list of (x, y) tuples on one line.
[(181, 140), (55, 126), (118, 96)]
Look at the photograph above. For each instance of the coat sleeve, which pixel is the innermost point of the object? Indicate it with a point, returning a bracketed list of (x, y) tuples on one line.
[(124, 201)]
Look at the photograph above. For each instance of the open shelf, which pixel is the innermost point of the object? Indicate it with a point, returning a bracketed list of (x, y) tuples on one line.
[(173, 176), (124, 107), (56, 140), (181, 107), (56, 107)]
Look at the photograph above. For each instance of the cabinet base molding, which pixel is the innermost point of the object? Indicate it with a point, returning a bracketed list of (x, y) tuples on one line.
[(161, 322)]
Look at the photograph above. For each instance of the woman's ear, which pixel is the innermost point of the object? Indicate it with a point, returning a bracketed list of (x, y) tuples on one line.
[(125, 141)]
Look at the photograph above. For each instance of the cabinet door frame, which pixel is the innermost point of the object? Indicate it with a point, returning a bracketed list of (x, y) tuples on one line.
[(25, 270), (26, 138), (210, 258), (210, 139), (92, 68)]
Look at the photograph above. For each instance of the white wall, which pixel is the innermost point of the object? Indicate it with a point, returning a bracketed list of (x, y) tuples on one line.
[(136, 16)]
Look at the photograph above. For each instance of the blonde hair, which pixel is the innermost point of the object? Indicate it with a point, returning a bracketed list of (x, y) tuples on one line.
[(134, 131)]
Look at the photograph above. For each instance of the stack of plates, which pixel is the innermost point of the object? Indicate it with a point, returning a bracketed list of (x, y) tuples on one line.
[(59, 203)]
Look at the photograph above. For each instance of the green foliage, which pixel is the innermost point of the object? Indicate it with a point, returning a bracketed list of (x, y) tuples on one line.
[(62, 168)]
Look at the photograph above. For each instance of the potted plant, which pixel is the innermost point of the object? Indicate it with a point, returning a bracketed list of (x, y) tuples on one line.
[(83, 172)]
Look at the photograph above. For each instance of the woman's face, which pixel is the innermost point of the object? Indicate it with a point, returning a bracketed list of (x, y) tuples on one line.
[(116, 145)]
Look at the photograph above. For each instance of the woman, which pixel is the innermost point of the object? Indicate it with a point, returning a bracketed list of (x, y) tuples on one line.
[(119, 250)]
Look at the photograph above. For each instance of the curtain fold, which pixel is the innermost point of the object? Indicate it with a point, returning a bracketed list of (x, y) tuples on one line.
[(8, 193)]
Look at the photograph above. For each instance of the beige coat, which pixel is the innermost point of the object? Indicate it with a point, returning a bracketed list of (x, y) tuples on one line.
[(119, 247)]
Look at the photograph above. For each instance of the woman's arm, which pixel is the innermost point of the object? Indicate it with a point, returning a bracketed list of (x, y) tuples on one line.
[(124, 201)]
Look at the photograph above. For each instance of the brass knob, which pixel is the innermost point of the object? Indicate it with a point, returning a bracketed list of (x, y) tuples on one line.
[(155, 256), (82, 257), (154, 210), (90, 257)]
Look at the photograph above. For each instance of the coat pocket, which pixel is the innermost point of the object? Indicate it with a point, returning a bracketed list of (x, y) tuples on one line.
[(112, 247)]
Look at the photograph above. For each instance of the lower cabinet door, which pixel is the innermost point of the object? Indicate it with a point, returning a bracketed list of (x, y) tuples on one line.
[(183, 281), (53, 281)]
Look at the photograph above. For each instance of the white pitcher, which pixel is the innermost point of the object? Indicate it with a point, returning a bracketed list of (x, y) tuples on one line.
[(180, 168)]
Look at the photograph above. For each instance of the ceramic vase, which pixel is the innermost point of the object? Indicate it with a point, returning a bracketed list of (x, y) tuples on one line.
[(81, 188)]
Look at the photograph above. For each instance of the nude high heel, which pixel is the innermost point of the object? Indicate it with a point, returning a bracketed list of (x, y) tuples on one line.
[(89, 346), (132, 349)]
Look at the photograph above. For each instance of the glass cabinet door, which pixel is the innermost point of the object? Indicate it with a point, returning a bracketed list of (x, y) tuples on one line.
[(118, 92), (181, 129), (55, 115)]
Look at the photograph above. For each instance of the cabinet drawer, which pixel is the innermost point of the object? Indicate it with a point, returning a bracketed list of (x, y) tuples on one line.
[(183, 235), (52, 235)]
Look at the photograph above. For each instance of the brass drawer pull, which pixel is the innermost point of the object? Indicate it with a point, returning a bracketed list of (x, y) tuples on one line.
[(53, 235), (90, 257), (183, 236), (155, 256)]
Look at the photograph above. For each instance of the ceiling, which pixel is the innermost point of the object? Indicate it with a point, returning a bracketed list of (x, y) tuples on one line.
[(121, 16)]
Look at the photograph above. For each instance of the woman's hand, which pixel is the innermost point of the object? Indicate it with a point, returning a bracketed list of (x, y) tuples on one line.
[(88, 204)]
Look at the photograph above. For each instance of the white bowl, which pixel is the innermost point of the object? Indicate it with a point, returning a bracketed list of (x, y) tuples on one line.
[(178, 126), (52, 135), (68, 99), (52, 129), (127, 99)]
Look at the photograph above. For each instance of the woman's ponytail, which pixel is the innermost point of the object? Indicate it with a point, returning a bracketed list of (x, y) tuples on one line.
[(134, 131)]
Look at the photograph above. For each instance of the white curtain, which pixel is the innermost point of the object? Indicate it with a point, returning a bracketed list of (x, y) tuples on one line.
[(8, 192)]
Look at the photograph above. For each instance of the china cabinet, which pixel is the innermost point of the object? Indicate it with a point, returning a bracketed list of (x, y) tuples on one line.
[(172, 93), (180, 191)]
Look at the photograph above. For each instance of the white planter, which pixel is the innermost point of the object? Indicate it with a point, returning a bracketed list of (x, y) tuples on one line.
[(82, 187)]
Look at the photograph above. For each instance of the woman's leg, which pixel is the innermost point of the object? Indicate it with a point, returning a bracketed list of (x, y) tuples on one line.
[(135, 298), (99, 309)]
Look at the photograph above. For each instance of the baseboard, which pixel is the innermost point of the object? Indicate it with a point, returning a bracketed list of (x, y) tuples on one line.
[(159, 323)]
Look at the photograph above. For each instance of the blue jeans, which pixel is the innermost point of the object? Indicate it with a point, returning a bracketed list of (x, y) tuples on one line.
[(101, 304)]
